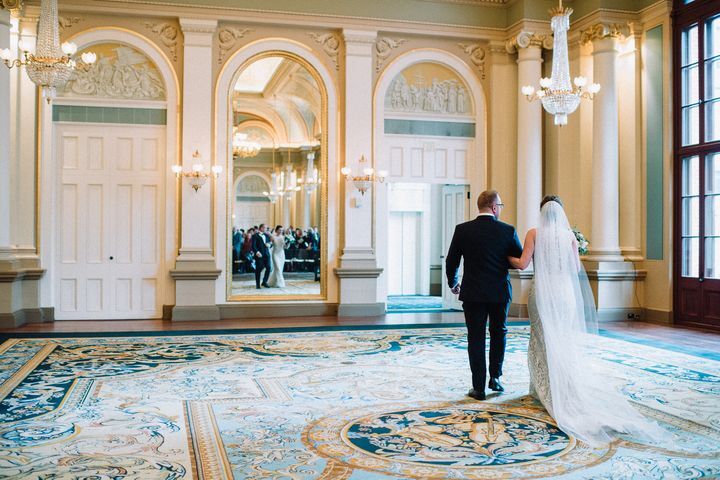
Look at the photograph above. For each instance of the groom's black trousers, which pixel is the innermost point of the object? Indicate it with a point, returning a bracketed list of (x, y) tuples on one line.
[(476, 316)]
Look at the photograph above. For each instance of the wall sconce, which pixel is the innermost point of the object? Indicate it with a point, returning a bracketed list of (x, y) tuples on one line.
[(364, 181), (198, 176)]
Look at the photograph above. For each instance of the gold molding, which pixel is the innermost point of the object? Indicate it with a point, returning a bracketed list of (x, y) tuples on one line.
[(15, 6), (383, 48), (330, 43), (324, 270), (526, 39), (603, 30)]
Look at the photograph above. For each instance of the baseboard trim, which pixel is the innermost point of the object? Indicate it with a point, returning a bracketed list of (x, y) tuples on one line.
[(297, 309), (25, 316), (662, 317), (518, 310), (361, 310), (620, 314), (195, 313)]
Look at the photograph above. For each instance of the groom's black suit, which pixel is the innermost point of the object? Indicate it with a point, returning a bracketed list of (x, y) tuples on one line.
[(484, 244)]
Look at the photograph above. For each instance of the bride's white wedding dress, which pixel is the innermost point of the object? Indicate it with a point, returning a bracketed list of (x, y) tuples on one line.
[(278, 262), (565, 376)]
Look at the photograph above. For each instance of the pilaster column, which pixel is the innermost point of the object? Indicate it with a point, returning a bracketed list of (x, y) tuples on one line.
[(26, 147), (605, 240), (358, 270), (528, 46), (5, 137), (614, 282), (195, 270)]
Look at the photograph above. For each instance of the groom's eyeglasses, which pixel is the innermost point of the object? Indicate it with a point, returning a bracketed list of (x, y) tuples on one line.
[(499, 204)]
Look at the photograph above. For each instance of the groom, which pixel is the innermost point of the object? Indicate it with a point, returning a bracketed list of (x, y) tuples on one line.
[(485, 245)]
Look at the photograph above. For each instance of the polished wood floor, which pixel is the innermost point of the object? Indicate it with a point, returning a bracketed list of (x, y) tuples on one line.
[(681, 336)]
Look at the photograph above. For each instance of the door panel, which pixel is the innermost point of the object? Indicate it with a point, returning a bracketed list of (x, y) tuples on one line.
[(110, 235), (455, 211)]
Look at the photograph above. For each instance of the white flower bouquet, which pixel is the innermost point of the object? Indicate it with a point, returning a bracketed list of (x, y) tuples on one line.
[(581, 240)]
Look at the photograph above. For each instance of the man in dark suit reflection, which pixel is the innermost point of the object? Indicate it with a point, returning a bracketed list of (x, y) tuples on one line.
[(261, 251)]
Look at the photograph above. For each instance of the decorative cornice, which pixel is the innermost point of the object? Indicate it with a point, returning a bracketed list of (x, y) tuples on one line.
[(383, 48), (25, 274), (198, 26), (168, 35), (477, 56), (616, 276), (330, 44), (358, 272), (195, 274), (227, 38), (605, 30), (527, 39), (359, 37)]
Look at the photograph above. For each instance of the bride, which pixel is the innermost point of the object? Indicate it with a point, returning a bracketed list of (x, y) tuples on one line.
[(278, 258), (564, 374)]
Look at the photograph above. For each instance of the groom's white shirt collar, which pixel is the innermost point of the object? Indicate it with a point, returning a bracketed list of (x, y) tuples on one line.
[(485, 215)]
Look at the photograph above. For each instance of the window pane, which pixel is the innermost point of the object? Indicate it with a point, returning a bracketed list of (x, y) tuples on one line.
[(712, 121), (690, 85), (690, 176), (712, 37), (712, 173), (712, 215), (689, 45), (712, 79), (712, 257), (690, 257), (691, 216), (690, 125)]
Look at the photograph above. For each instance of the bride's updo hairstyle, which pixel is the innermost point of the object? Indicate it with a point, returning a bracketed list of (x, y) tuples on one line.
[(551, 198)]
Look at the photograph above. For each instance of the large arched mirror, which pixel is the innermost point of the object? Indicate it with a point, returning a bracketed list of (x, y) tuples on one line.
[(277, 222)]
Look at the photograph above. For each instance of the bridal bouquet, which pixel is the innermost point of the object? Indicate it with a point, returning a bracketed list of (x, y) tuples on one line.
[(582, 241)]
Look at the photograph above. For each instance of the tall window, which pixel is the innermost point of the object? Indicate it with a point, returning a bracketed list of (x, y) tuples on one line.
[(697, 159)]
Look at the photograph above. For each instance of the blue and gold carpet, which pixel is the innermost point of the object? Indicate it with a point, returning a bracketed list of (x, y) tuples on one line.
[(356, 404)]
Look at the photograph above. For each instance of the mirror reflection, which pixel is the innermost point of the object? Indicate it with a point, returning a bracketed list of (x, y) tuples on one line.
[(276, 237)]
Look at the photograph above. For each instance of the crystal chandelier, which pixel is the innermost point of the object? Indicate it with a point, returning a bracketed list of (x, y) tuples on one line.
[(364, 181), (51, 65), (244, 148), (275, 182), (311, 179), (556, 93), (197, 176)]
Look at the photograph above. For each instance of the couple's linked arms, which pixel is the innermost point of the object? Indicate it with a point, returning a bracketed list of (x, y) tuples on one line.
[(527, 252), (529, 248)]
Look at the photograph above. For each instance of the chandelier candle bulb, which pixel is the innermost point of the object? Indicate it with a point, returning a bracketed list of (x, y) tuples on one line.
[(528, 90), (69, 48), (216, 170), (5, 54)]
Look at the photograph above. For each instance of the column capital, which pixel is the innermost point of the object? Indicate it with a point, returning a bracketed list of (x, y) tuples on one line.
[(359, 43), (526, 39), (604, 30), (198, 33), (15, 6), (361, 37)]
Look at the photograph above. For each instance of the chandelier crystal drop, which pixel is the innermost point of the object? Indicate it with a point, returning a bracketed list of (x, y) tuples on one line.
[(51, 65), (560, 97)]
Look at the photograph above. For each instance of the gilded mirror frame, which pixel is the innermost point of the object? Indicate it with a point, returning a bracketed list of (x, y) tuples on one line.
[(229, 194)]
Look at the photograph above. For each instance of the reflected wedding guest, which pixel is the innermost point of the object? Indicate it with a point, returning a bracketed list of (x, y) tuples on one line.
[(260, 244)]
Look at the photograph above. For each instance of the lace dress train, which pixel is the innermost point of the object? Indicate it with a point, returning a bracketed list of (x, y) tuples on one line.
[(537, 358)]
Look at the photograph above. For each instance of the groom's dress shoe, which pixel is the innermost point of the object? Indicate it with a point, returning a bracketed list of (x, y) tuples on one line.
[(495, 385), (476, 394)]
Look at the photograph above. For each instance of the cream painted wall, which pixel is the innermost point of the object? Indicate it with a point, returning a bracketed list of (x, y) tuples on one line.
[(567, 152)]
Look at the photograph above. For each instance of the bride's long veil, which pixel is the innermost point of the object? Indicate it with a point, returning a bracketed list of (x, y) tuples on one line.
[(584, 402)]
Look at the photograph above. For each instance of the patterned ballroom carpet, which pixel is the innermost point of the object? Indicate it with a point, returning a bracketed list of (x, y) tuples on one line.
[(415, 303), (332, 404)]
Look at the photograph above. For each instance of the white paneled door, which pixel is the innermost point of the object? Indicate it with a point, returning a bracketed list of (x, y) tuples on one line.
[(456, 208), (110, 231)]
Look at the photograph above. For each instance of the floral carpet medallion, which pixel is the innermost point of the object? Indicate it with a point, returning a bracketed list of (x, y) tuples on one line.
[(355, 404)]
